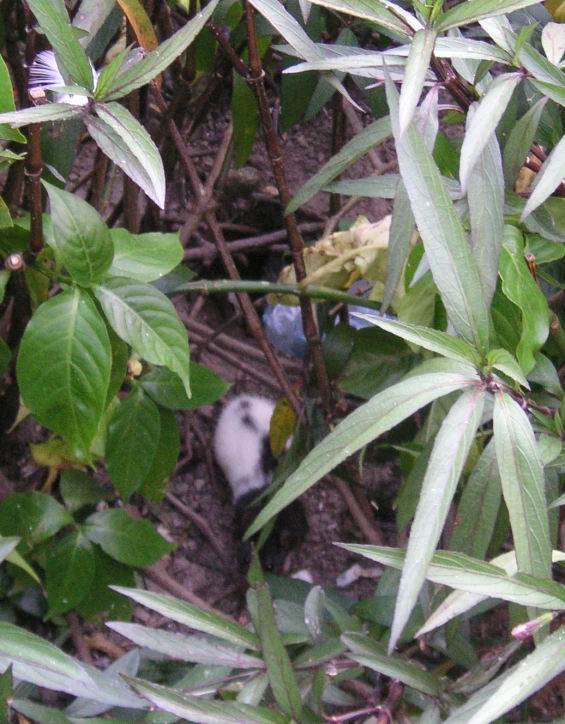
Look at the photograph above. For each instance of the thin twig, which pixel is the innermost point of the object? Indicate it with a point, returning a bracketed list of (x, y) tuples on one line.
[(369, 531), (256, 79), (252, 318), (251, 242), (157, 574), (79, 642), (201, 523)]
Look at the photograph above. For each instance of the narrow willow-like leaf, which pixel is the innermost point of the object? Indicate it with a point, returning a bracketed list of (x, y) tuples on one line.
[(447, 249), (144, 318), (282, 679), (40, 114), (138, 143), (380, 414), (384, 187), (83, 240), (521, 473), (478, 507), (194, 617), (159, 59), (416, 69), (476, 577), (431, 339), (398, 20), (54, 21), (503, 361), (486, 209), (474, 10), (64, 367), (484, 122), (373, 654), (523, 680), (547, 180), (114, 146), (293, 33), (440, 481), (202, 711), (364, 141), (196, 649), (521, 138), (402, 229), (36, 660)]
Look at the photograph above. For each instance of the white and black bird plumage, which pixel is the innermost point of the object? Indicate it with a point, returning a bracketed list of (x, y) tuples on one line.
[(243, 452)]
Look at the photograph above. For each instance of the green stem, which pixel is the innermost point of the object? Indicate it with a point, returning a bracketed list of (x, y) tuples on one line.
[(325, 294)]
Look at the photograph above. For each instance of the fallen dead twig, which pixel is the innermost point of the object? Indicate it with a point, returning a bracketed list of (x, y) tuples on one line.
[(201, 523), (158, 575), (369, 531)]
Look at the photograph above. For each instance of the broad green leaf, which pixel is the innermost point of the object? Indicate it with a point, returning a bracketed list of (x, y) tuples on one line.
[(72, 61), (521, 138), (503, 361), (521, 473), (144, 318), (64, 367), (416, 68), (131, 444), (159, 59), (69, 571), (372, 419), (136, 143), (520, 287), (446, 463), (83, 240), (478, 507), (78, 489), (154, 486), (431, 339), (364, 141), (132, 542), (475, 10), (547, 180), (100, 601), (484, 122), (524, 679), (486, 209), (397, 19), (245, 115), (447, 249), (282, 679), (41, 114), (5, 355), (373, 654), (166, 389), (144, 257), (201, 711), (7, 104), (196, 649), (189, 615)]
